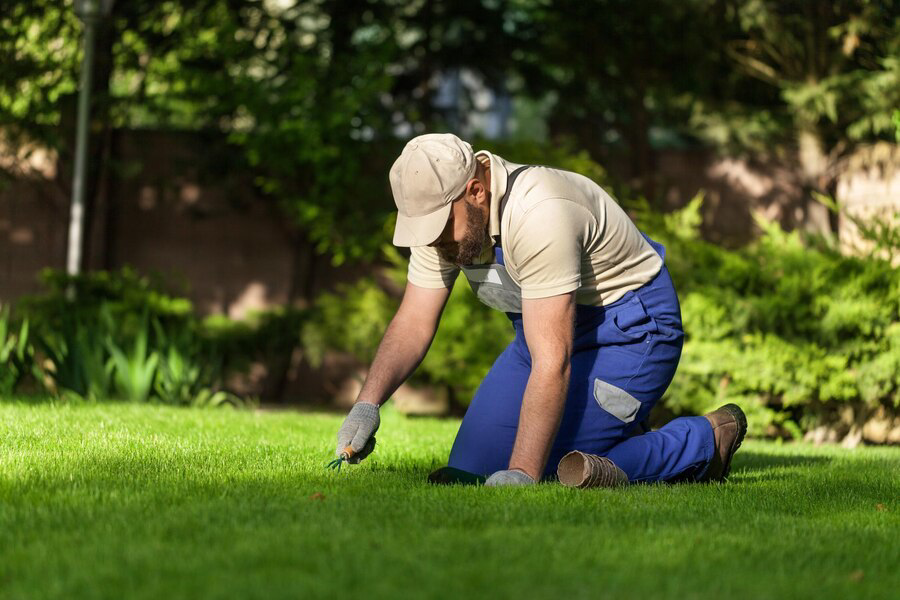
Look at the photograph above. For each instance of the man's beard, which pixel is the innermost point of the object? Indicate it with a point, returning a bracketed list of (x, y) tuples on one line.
[(472, 244)]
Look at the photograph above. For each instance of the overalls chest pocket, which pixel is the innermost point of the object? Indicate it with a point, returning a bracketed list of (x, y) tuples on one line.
[(494, 287)]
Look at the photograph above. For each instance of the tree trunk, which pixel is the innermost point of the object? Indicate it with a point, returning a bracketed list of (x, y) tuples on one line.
[(814, 169), (94, 246)]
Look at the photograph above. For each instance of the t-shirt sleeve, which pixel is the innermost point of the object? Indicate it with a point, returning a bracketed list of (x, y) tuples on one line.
[(546, 246), (428, 270)]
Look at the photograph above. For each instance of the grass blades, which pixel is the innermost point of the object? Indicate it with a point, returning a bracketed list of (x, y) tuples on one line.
[(113, 501)]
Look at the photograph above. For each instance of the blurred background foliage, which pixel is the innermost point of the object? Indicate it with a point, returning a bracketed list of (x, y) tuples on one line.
[(316, 95), (315, 99)]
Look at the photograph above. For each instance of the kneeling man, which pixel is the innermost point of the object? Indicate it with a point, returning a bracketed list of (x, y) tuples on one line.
[(598, 331)]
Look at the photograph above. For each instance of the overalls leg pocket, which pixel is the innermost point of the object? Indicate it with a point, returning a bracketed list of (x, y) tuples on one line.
[(616, 401)]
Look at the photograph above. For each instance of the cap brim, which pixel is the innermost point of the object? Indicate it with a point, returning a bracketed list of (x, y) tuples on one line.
[(421, 231)]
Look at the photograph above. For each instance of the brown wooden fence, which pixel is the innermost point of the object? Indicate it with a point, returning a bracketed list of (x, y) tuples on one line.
[(173, 203)]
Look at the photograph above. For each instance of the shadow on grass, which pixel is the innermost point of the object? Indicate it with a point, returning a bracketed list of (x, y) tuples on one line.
[(196, 469), (290, 493), (749, 467), (753, 467), (748, 460), (30, 400), (866, 481)]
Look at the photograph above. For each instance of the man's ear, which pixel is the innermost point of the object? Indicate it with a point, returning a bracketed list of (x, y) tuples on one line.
[(477, 191)]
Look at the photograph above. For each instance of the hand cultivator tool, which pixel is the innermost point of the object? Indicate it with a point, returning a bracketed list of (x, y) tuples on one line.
[(346, 455)]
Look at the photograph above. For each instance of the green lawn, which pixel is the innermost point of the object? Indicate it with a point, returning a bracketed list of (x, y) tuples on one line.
[(117, 501)]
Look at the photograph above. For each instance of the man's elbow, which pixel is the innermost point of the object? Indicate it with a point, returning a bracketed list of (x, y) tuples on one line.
[(415, 328), (556, 364)]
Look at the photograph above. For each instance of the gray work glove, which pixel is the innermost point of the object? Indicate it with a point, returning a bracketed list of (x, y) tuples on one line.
[(358, 431), (510, 477)]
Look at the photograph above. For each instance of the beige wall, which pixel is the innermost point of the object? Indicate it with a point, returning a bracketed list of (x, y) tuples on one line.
[(182, 213), (869, 188), (32, 234), (173, 204), (170, 203)]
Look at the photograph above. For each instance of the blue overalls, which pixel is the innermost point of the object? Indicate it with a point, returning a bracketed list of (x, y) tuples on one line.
[(623, 359)]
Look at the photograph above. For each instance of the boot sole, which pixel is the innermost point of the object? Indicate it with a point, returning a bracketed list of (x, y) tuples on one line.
[(741, 419)]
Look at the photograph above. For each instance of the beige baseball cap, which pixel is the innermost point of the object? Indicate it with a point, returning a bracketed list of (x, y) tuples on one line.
[(431, 172)]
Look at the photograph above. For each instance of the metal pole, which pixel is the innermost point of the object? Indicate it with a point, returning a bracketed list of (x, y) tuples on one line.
[(76, 217)]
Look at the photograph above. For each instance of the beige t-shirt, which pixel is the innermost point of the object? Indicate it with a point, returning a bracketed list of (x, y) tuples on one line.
[(559, 232)]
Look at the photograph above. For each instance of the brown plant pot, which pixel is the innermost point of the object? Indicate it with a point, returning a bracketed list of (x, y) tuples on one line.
[(582, 470)]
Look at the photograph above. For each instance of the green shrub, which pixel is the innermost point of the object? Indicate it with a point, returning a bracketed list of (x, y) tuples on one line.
[(268, 337), (16, 353), (181, 374), (354, 318), (135, 368), (77, 355), (787, 327), (94, 331), (118, 335)]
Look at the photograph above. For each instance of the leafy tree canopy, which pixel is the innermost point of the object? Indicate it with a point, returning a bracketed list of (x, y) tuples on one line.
[(319, 94)]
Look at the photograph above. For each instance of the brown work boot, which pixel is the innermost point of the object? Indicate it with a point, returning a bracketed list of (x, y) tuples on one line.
[(729, 425)]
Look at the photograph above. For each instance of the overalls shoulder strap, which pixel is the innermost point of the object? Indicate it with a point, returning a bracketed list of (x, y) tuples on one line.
[(509, 186), (491, 283)]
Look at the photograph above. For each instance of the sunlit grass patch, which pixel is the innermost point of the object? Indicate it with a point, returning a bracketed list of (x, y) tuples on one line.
[(112, 501)]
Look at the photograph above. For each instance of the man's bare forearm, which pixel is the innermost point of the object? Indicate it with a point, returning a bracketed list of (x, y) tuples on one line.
[(401, 350), (542, 410)]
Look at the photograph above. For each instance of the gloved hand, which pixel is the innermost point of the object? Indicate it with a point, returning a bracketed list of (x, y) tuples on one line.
[(510, 477), (358, 431)]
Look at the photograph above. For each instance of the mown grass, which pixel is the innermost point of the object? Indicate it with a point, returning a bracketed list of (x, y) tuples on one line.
[(115, 501)]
